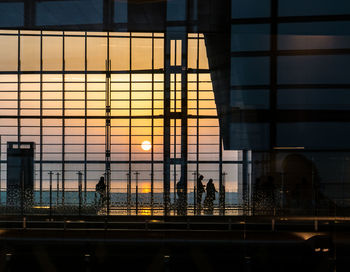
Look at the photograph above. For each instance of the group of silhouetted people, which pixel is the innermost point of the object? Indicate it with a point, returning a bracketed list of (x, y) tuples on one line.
[(181, 195), (201, 189), (209, 198)]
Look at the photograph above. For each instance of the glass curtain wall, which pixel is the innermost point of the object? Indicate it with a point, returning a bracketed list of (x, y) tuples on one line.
[(53, 91)]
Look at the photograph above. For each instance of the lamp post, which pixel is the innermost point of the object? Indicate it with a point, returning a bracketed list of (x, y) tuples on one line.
[(137, 191)]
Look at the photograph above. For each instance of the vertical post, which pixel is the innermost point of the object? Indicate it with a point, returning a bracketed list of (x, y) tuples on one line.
[(128, 192), (130, 123), (223, 193), (79, 190), (50, 174), (63, 177), (85, 189), (85, 112), (166, 125), (194, 192), (137, 191), (152, 196), (152, 136), (62, 190), (184, 115), (19, 111), (57, 187), (108, 127), (41, 118), (221, 186)]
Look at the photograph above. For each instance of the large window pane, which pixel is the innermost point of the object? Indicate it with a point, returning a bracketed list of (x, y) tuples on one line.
[(314, 99), (313, 69), (250, 8), (74, 53), (250, 99), (8, 53), (119, 53), (315, 35), (30, 53), (141, 53), (12, 14), (250, 37), (250, 71), (52, 53), (313, 7), (308, 135), (69, 12), (96, 53)]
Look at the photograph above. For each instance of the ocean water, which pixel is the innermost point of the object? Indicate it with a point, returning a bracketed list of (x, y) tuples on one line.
[(117, 199)]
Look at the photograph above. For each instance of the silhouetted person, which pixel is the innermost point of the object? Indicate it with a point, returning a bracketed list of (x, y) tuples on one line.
[(181, 197), (200, 191), (101, 190), (210, 197)]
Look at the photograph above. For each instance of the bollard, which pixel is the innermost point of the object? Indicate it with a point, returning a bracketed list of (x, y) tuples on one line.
[(194, 193), (80, 190), (58, 187), (152, 193), (50, 174), (137, 191), (128, 192)]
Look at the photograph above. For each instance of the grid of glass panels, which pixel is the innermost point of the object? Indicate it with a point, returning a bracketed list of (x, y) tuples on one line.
[(291, 61), (53, 92)]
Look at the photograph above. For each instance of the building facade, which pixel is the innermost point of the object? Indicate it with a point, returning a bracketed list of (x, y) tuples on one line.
[(276, 69)]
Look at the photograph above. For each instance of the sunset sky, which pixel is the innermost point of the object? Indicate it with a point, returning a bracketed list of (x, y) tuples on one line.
[(41, 94)]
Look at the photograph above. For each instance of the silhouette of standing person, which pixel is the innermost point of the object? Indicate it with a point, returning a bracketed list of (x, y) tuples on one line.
[(200, 191), (181, 203), (210, 197), (101, 190)]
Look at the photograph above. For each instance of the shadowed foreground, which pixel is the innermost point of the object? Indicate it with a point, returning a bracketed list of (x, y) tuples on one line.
[(174, 243)]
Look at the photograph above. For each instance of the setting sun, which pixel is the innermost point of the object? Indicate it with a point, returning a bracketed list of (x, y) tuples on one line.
[(146, 145)]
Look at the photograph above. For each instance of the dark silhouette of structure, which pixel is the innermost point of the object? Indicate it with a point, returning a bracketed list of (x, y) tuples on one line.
[(20, 174)]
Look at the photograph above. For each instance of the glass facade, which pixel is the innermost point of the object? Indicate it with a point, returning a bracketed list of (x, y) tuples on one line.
[(289, 99), (262, 79), (82, 95)]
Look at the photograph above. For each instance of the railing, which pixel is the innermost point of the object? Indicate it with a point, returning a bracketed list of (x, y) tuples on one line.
[(136, 201), (144, 201)]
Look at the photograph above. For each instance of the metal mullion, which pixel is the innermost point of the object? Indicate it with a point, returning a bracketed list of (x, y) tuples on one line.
[(197, 106), (166, 126), (221, 185), (18, 87), (175, 123), (108, 126), (63, 120), (130, 93), (152, 130), (41, 118), (85, 113), (184, 116)]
